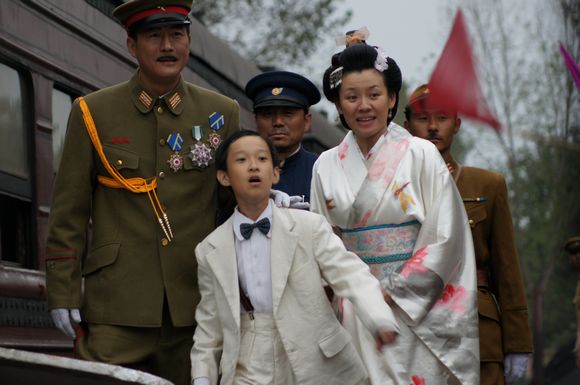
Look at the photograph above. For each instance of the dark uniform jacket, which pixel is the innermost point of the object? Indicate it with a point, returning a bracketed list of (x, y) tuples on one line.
[(131, 265), (296, 174), (503, 314)]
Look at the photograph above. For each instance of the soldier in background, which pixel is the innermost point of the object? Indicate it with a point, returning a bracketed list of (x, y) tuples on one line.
[(138, 163), (572, 246), (281, 106), (504, 333)]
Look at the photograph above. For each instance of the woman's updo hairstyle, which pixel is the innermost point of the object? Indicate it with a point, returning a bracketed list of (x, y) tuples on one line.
[(359, 57)]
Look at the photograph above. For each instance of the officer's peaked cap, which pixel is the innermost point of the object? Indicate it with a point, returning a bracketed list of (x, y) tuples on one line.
[(144, 14), (282, 88)]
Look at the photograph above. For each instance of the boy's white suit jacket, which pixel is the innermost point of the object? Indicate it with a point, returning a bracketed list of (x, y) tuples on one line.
[(304, 249)]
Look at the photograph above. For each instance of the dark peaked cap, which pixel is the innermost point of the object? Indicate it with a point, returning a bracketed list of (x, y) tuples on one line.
[(282, 88), (139, 14)]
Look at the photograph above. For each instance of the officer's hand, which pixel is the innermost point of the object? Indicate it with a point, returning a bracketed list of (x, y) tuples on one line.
[(66, 320), (297, 202), (281, 199), (515, 365)]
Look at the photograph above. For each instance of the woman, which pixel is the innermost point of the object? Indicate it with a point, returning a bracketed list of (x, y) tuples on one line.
[(392, 199)]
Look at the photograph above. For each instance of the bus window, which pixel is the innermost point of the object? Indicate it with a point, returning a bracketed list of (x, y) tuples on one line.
[(15, 187), (61, 106), (13, 149)]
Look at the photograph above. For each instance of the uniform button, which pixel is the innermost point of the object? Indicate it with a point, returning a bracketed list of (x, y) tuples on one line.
[(161, 175), (471, 221), (119, 162), (162, 142), (160, 110), (164, 242)]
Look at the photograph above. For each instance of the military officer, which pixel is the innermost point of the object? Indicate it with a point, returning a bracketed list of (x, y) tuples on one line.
[(504, 333), (572, 246), (281, 106), (138, 163)]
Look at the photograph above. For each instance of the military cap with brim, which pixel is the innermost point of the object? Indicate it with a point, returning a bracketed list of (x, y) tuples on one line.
[(145, 14), (573, 244), (282, 88)]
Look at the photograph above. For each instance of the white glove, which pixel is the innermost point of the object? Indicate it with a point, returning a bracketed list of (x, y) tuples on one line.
[(297, 202), (66, 320), (515, 365), (281, 199)]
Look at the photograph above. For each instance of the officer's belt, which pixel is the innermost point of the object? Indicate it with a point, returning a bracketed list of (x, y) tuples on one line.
[(482, 278), (134, 185)]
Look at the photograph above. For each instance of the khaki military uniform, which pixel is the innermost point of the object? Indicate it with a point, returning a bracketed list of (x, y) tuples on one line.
[(132, 270), (503, 315)]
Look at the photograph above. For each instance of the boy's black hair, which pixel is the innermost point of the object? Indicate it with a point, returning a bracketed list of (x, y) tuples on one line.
[(221, 154)]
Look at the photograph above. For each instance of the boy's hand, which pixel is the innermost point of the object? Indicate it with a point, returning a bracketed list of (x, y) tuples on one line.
[(385, 337)]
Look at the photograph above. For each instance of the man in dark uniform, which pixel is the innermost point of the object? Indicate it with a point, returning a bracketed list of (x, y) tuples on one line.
[(572, 246), (504, 333), (281, 106), (138, 162)]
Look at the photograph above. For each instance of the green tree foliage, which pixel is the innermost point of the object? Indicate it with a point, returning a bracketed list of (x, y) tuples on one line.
[(272, 33)]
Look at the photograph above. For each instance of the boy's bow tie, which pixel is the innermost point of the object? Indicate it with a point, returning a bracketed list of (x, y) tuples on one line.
[(247, 228)]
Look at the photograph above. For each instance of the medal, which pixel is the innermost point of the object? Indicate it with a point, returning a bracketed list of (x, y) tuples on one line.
[(200, 154), (215, 140), (197, 132), (216, 121), (175, 162), (175, 141)]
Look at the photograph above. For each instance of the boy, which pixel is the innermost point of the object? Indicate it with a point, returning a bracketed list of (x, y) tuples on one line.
[(264, 317)]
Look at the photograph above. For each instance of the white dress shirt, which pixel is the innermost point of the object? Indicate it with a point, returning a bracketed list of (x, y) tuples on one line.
[(253, 256)]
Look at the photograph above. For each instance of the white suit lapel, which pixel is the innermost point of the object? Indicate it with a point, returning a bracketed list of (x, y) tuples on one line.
[(284, 242), (222, 260)]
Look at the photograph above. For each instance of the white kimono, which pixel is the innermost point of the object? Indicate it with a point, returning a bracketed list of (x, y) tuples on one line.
[(400, 211)]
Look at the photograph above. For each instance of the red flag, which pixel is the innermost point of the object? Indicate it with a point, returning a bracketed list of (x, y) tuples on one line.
[(453, 85), (571, 64)]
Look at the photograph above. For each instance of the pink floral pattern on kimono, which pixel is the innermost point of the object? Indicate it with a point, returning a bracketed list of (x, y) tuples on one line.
[(376, 170), (417, 380), (342, 149), (364, 219), (453, 297), (415, 263)]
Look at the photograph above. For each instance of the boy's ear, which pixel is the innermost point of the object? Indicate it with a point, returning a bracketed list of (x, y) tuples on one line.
[(276, 175), (223, 178)]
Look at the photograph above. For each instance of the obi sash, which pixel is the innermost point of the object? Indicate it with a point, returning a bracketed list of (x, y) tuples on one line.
[(380, 244)]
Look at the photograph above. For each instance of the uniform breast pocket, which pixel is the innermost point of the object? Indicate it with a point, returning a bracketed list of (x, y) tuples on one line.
[(476, 214), (121, 159)]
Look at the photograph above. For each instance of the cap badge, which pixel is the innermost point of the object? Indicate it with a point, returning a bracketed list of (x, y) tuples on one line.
[(215, 140), (216, 121), (175, 141), (277, 91), (175, 162), (200, 155), (197, 132)]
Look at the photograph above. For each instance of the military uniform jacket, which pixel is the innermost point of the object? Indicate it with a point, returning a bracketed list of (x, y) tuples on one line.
[(296, 174), (503, 314), (130, 264)]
